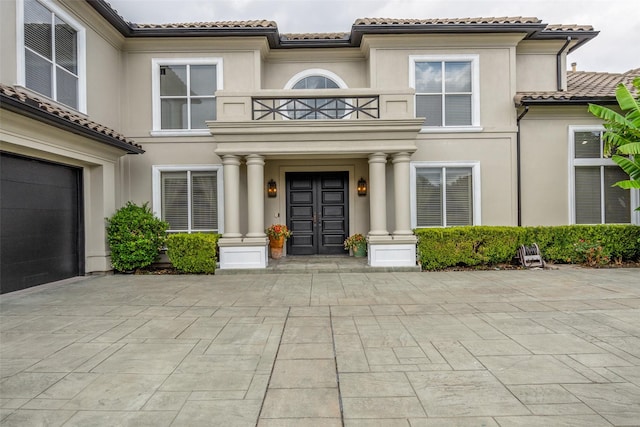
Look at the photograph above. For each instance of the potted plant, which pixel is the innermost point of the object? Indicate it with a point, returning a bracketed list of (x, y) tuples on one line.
[(357, 243), (277, 233)]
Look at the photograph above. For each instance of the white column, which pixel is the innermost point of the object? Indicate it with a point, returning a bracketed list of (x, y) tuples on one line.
[(255, 192), (231, 168), (401, 184), (377, 195)]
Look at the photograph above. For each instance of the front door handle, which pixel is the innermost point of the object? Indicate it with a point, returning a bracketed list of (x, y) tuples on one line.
[(315, 218)]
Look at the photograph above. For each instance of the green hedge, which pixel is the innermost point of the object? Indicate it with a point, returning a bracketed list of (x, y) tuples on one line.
[(193, 253), (440, 248)]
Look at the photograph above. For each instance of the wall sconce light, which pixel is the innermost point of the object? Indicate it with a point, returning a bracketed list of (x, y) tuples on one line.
[(362, 187), (272, 189)]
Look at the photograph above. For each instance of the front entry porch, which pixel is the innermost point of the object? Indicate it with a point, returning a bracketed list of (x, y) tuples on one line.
[(318, 264), (325, 153)]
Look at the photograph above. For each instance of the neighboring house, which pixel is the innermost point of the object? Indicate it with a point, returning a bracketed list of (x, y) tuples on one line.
[(446, 122)]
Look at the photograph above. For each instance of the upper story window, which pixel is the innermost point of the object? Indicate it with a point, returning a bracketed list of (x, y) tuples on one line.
[(52, 53), (445, 194), (184, 94), (446, 90), (316, 108), (594, 198)]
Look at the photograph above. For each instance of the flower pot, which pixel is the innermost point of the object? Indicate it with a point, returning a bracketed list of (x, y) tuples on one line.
[(360, 250), (276, 245)]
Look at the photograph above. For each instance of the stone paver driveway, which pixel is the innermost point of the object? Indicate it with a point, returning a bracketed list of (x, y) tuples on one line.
[(507, 348)]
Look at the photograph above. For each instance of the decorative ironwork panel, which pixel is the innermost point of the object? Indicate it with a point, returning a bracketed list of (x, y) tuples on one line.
[(313, 108)]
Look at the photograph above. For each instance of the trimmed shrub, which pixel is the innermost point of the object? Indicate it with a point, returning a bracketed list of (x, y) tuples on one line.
[(440, 248), (193, 253), (135, 237), (467, 246)]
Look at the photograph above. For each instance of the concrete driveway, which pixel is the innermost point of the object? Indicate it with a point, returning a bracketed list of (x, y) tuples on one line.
[(488, 348)]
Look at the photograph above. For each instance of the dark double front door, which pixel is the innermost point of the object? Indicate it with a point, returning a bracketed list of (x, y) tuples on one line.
[(317, 212)]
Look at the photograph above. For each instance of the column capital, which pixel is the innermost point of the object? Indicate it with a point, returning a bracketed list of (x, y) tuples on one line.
[(377, 158), (255, 159), (231, 160), (402, 157)]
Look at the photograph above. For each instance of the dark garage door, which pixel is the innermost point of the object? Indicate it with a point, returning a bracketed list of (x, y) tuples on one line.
[(40, 222)]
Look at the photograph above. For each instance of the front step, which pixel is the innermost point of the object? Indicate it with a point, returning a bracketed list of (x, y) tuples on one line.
[(318, 264)]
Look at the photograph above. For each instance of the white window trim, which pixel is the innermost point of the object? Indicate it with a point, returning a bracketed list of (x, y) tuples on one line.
[(82, 52), (475, 175), (573, 162), (475, 89), (316, 72), (155, 92), (156, 171)]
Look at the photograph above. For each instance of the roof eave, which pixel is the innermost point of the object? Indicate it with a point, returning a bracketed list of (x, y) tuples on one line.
[(111, 15), (36, 113), (570, 101)]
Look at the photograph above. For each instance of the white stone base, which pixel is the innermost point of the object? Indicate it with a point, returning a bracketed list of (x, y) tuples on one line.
[(247, 253), (392, 252)]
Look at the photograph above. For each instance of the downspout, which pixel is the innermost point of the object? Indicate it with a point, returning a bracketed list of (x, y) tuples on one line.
[(518, 163), (559, 63)]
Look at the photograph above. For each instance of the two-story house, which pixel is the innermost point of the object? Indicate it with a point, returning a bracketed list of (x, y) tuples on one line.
[(229, 127)]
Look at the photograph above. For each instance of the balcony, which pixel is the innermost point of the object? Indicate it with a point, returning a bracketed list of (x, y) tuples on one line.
[(315, 104)]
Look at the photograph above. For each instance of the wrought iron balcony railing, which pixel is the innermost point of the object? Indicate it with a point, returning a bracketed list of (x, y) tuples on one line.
[(310, 108)]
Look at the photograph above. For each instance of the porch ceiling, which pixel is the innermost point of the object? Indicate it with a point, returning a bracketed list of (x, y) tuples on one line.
[(315, 137)]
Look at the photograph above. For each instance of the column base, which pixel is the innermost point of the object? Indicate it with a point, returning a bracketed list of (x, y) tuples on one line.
[(392, 251), (243, 253)]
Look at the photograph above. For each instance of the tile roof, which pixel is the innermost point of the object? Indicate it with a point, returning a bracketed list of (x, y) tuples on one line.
[(572, 27), (315, 36), (71, 119), (448, 21), (582, 86), (210, 25)]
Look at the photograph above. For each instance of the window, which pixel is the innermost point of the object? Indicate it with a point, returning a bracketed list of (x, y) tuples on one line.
[(51, 53), (595, 199), (445, 194), (184, 94), (188, 198), (316, 108), (446, 90)]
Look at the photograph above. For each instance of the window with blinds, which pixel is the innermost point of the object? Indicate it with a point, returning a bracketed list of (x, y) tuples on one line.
[(444, 92), (50, 54), (187, 96), (596, 200), (189, 200), (444, 196)]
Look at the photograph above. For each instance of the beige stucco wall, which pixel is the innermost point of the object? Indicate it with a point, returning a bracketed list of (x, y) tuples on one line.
[(390, 70), (496, 156), (536, 65), (348, 64), (546, 163), (8, 69), (241, 72)]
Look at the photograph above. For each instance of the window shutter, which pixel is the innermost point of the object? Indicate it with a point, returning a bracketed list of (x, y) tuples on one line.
[(37, 28), (459, 192), (38, 73), (430, 107), (587, 192), (174, 200), (429, 197), (204, 200), (617, 201), (66, 46), (457, 110)]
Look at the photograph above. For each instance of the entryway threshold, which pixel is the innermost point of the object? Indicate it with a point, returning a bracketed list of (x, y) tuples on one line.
[(317, 264)]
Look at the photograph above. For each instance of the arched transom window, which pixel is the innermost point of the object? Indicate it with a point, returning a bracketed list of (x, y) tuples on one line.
[(316, 108)]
